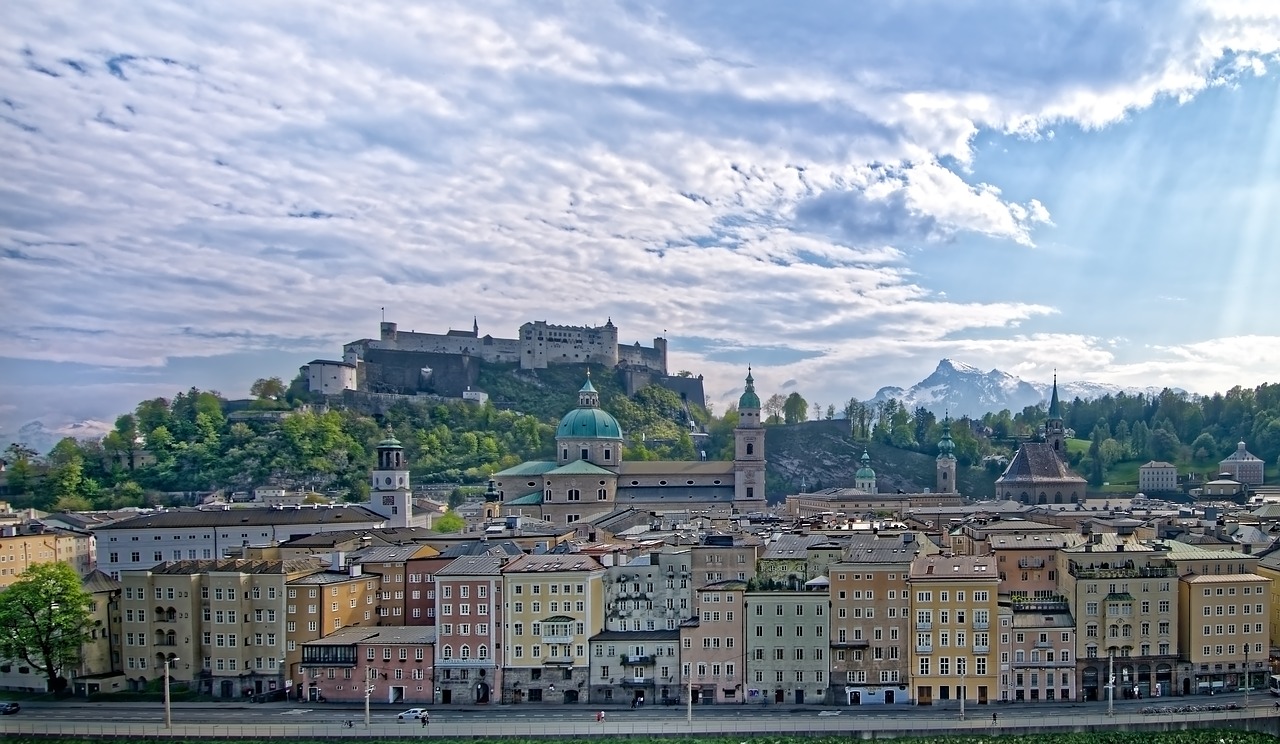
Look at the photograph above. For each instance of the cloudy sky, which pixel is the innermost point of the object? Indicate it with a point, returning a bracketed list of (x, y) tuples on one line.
[(837, 193)]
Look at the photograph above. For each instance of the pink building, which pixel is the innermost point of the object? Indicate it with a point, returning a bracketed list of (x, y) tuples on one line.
[(390, 664), (469, 631)]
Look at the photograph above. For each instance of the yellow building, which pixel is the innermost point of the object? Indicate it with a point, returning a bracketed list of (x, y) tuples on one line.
[(1224, 608), (26, 545), (1269, 566), (554, 605), (321, 603), (953, 602)]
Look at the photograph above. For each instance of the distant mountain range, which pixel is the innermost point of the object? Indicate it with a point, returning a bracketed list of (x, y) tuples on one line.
[(42, 437), (968, 391)]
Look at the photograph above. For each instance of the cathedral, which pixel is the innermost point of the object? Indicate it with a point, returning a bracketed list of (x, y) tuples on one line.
[(589, 479), (1038, 473)]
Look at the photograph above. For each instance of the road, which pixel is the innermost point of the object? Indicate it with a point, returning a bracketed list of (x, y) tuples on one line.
[(448, 716)]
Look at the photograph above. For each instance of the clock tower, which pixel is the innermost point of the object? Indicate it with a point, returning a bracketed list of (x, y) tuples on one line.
[(390, 495)]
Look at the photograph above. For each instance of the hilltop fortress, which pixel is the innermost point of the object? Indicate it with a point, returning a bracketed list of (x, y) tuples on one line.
[(411, 363), (538, 346)]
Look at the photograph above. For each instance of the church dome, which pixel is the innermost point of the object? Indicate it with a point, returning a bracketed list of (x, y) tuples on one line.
[(588, 423), (588, 420), (865, 471)]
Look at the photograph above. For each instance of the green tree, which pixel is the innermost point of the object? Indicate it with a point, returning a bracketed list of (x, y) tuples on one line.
[(268, 388), (22, 471), (772, 408), (795, 409), (448, 522), (1204, 446), (45, 614)]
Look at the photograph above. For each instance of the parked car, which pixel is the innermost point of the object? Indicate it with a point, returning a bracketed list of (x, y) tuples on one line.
[(9, 709), (413, 714)]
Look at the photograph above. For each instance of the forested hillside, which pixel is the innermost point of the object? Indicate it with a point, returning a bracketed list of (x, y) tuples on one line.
[(192, 443)]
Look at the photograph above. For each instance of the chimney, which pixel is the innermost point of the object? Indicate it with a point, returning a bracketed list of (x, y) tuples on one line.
[(337, 560)]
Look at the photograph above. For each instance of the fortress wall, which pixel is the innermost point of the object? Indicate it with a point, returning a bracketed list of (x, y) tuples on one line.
[(400, 372)]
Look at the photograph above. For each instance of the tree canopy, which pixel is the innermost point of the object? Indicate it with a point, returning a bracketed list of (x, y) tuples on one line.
[(44, 619)]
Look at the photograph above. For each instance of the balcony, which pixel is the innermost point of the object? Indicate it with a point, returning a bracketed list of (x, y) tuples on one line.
[(637, 681), (1031, 562), (557, 661), (1044, 644), (924, 649), (854, 643), (981, 624), (557, 639), (1122, 573), (641, 659), (983, 649), (924, 626)]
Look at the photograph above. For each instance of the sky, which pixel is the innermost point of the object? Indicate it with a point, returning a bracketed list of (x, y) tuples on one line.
[(838, 194)]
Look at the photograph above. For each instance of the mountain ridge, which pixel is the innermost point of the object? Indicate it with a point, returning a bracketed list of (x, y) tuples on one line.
[(964, 390)]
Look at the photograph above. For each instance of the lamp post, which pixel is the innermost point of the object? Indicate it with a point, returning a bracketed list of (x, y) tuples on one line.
[(688, 709), (964, 693), (1111, 683), (368, 692), (168, 713), (1247, 681)]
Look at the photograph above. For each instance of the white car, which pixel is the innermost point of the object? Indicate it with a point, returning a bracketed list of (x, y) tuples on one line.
[(413, 714)]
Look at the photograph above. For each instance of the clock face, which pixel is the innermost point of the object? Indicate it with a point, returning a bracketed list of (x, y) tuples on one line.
[(389, 499)]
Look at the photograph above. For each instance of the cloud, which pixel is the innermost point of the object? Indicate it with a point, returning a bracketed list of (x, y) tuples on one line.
[(196, 180)]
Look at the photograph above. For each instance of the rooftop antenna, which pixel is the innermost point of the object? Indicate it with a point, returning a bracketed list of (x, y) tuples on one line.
[(384, 315)]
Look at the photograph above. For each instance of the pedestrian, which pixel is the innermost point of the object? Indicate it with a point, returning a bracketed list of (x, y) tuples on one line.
[(994, 716), (426, 718), (600, 717)]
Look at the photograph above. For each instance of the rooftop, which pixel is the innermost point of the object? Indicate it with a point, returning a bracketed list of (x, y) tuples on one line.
[(196, 518), (552, 564)]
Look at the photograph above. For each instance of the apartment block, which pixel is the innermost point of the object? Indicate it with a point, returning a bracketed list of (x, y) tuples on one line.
[(1124, 597), (1037, 656), (387, 664), (26, 545), (787, 641), (552, 605), (713, 666), (635, 667), (954, 600), (469, 635), (322, 603), (870, 619), (221, 624)]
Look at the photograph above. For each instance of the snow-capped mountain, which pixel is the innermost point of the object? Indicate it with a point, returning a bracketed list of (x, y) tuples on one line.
[(968, 391), (41, 437)]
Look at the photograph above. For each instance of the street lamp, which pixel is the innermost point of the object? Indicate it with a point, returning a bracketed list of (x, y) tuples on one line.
[(964, 693), (1111, 682), (1247, 681), (168, 713)]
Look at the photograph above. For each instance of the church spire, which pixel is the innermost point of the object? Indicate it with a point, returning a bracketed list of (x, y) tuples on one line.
[(1055, 408)]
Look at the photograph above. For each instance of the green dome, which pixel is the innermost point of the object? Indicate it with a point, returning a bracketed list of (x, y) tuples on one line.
[(588, 423), (749, 398), (390, 441), (865, 471), (946, 447)]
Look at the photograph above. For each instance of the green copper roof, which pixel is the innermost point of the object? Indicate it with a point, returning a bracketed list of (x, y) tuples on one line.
[(529, 499), (533, 467), (749, 398), (580, 467), (946, 447), (587, 387), (588, 423), (865, 471)]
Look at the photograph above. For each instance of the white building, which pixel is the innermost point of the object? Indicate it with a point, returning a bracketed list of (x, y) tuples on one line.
[(1157, 477), (330, 377), (142, 542)]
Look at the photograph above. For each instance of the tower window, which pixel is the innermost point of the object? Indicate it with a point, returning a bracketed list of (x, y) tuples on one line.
[(608, 455), (564, 454), (751, 492), (751, 448), (586, 453)]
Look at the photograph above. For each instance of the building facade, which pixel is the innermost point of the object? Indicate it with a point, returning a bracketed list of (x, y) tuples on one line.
[(954, 601), (1158, 477), (469, 632)]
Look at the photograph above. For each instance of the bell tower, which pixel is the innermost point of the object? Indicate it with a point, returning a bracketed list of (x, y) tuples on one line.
[(1055, 434), (492, 501), (748, 449), (946, 462), (390, 495)]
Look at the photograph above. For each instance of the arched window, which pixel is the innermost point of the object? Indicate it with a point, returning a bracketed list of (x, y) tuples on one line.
[(751, 448), (464, 652), (482, 652), (447, 652)]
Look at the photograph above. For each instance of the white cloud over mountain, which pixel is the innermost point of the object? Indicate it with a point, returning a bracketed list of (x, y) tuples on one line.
[(195, 179)]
